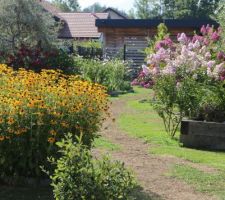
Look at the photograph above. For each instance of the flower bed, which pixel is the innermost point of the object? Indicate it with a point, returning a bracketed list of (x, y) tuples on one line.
[(37, 109)]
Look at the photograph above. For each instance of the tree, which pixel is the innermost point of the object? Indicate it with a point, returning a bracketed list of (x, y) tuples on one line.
[(96, 7), (24, 22), (174, 9), (221, 19), (146, 9), (67, 5), (180, 9)]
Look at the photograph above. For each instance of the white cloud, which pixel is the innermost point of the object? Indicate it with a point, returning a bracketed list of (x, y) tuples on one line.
[(120, 4)]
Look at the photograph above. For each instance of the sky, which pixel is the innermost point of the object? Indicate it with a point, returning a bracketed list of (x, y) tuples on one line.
[(120, 4)]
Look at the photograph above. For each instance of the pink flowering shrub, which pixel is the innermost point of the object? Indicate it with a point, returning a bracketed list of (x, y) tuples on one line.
[(188, 77)]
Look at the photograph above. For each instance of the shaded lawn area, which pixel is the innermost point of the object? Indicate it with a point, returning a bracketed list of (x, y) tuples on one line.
[(22, 193)]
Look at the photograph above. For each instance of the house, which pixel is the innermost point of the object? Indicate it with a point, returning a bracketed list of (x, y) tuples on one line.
[(129, 37), (79, 25), (114, 14)]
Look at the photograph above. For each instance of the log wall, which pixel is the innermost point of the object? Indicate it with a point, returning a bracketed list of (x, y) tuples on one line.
[(130, 43)]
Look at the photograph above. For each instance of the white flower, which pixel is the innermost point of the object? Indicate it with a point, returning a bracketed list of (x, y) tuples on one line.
[(182, 38), (146, 70), (208, 55), (211, 63)]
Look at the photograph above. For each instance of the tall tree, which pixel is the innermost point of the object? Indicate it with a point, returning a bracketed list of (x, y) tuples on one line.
[(146, 9), (67, 5), (24, 22), (221, 19), (96, 7), (174, 9), (180, 9)]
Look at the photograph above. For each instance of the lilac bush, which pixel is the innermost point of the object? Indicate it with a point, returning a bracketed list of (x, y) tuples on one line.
[(188, 77)]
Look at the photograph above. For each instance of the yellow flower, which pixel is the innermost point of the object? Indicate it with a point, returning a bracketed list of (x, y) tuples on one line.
[(11, 121), (53, 122), (51, 140), (2, 138), (64, 124), (1, 120), (52, 132)]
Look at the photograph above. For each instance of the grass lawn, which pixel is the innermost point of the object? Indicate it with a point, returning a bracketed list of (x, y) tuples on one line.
[(106, 144), (202, 181), (143, 122)]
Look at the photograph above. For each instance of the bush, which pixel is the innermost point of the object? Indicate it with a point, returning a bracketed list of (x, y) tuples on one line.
[(79, 176), (36, 109), (112, 74), (188, 78), (88, 49), (37, 59)]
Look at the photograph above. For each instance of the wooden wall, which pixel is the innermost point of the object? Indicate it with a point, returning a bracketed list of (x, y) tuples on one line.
[(129, 43)]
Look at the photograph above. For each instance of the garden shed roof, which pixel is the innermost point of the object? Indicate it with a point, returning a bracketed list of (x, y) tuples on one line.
[(81, 25), (149, 23)]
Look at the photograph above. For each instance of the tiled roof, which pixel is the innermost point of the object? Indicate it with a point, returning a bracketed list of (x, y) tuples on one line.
[(80, 25)]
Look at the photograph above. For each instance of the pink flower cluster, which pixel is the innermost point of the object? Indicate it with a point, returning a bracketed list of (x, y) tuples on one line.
[(188, 54)]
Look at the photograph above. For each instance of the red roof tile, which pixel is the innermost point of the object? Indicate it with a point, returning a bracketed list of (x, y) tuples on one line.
[(80, 25)]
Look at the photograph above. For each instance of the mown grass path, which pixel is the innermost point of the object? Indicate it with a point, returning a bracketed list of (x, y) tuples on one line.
[(152, 170)]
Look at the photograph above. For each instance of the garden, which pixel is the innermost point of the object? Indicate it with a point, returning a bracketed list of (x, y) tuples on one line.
[(62, 114)]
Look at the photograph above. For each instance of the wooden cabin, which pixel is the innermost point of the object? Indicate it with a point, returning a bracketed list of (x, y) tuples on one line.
[(128, 38)]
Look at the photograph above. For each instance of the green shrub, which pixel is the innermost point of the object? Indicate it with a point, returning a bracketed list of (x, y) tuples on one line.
[(175, 100), (112, 74), (78, 176), (88, 49)]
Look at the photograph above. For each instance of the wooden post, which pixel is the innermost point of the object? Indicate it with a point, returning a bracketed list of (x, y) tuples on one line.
[(124, 52)]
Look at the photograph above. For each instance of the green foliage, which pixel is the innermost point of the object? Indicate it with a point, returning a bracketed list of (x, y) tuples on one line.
[(24, 22), (212, 107), (174, 9), (179, 9), (221, 19), (165, 103), (146, 9), (88, 44), (88, 49), (162, 33), (111, 74), (96, 7), (67, 5), (79, 176)]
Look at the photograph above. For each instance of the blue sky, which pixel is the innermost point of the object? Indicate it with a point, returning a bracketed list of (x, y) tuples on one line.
[(121, 4)]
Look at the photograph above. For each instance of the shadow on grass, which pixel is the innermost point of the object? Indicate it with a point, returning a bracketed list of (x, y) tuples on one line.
[(139, 194), (21, 193), (25, 193), (120, 93)]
